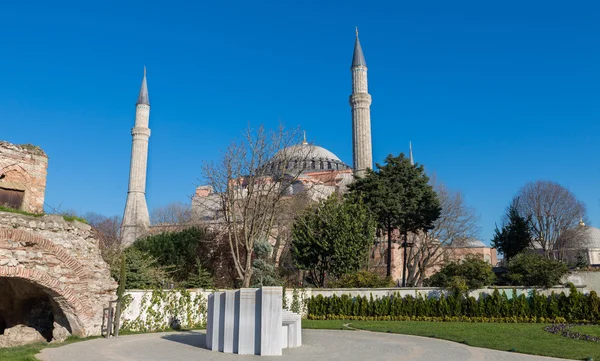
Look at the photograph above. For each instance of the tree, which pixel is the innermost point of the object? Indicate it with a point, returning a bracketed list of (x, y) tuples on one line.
[(264, 273), (530, 269), (107, 230), (332, 239), (250, 181), (552, 210), (141, 270), (473, 272), (181, 253), (399, 196), (172, 214), (457, 220), (515, 236)]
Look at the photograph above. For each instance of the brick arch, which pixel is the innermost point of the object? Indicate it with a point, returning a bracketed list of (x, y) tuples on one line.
[(19, 235), (62, 294)]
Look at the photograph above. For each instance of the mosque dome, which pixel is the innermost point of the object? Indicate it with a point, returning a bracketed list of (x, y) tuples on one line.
[(590, 236), (308, 158), (467, 243)]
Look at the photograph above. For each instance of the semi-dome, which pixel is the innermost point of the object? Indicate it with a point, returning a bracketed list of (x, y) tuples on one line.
[(307, 158)]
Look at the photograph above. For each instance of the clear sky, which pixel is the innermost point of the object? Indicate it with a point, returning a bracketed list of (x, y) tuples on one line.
[(491, 94)]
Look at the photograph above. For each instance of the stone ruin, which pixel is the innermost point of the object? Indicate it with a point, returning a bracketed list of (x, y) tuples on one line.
[(23, 170), (53, 280)]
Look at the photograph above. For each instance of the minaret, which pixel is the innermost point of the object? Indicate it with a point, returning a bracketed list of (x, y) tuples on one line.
[(412, 160), (360, 101), (136, 218)]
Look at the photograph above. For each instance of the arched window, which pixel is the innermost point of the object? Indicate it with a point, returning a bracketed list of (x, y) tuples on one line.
[(321, 165), (328, 165), (312, 164)]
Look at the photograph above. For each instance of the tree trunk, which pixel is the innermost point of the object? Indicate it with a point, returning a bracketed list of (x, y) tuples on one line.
[(389, 250)]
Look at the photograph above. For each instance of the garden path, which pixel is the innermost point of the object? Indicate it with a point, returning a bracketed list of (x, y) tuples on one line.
[(318, 345)]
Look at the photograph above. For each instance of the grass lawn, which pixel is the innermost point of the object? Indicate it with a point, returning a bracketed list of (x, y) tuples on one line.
[(522, 337), (587, 330), (28, 352)]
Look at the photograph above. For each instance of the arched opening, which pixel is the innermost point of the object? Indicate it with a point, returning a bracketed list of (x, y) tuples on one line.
[(30, 312)]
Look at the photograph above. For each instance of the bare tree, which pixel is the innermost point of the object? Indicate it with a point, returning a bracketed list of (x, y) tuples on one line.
[(172, 214), (456, 221), (250, 182), (107, 231), (552, 210)]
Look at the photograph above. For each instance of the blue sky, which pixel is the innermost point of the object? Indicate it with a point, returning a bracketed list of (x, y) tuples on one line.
[(492, 96)]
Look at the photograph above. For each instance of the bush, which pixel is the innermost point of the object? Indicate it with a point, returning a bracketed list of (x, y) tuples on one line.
[(470, 274), (497, 307), (363, 279), (531, 269)]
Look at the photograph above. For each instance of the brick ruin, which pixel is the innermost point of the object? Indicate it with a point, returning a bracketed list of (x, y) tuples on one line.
[(23, 171), (53, 280), (52, 277)]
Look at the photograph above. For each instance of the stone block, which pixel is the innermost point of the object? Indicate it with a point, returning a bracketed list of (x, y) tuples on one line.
[(229, 316), (270, 321), (249, 328), (213, 326)]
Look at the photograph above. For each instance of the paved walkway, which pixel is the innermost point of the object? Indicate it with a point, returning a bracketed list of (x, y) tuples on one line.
[(318, 345)]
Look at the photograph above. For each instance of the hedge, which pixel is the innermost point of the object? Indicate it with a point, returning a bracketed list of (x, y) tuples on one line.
[(575, 307)]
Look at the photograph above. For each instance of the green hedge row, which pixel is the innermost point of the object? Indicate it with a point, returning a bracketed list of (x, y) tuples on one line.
[(575, 307)]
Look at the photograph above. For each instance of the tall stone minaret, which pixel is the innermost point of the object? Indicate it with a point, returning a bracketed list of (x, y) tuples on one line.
[(136, 218), (360, 101)]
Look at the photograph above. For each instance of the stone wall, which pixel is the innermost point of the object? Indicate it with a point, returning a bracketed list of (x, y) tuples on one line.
[(23, 168), (587, 279), (155, 310), (62, 259)]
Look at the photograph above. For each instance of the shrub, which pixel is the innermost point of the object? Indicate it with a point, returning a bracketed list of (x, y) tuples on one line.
[(530, 269), (497, 307), (470, 274)]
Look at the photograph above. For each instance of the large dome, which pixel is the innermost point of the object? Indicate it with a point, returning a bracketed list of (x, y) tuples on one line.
[(467, 243), (590, 237), (308, 158)]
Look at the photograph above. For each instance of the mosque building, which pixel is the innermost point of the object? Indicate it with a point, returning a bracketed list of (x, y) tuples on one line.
[(312, 169)]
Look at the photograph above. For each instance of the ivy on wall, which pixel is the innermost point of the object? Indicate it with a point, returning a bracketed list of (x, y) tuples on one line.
[(166, 309)]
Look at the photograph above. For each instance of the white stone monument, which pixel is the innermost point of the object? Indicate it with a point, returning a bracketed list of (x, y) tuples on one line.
[(251, 321)]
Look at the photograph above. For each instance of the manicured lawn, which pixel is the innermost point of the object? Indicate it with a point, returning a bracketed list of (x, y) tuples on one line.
[(520, 337), (587, 330)]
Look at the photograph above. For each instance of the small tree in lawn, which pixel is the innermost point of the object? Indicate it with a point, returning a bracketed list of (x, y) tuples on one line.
[(515, 236), (332, 239), (400, 197)]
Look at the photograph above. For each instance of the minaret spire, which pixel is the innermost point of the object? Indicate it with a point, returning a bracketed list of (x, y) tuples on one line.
[(360, 101), (143, 97), (412, 160), (136, 219)]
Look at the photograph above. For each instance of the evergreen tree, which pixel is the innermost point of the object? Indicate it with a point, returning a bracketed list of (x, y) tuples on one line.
[(263, 270), (400, 196), (515, 236), (333, 239)]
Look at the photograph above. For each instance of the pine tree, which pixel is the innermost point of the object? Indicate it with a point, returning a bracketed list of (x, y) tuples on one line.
[(515, 235)]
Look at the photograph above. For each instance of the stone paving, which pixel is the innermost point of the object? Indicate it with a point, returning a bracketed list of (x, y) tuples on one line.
[(318, 345)]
